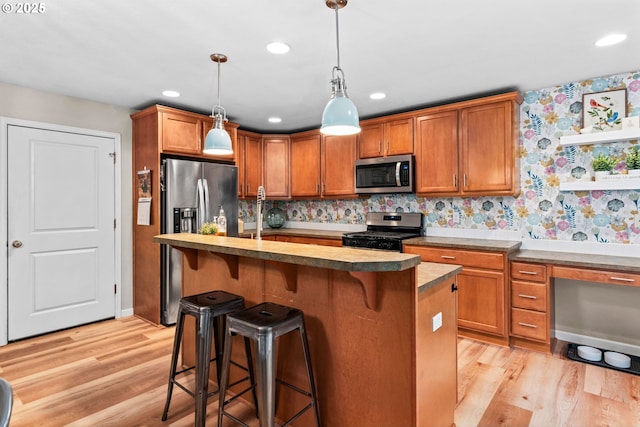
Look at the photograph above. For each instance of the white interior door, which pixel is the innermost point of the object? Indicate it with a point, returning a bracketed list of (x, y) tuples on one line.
[(60, 229)]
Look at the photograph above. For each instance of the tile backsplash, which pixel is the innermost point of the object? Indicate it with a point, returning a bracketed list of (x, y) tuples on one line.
[(541, 211)]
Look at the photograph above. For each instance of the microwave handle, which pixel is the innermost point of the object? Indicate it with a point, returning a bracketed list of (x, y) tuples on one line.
[(398, 183)]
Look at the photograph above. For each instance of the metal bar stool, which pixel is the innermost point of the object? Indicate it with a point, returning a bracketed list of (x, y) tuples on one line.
[(263, 323), (210, 310)]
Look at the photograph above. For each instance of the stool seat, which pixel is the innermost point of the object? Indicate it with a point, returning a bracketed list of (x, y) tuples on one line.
[(264, 323), (210, 310), (266, 319)]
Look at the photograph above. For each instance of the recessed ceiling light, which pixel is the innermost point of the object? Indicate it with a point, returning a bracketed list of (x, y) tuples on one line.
[(171, 93), (278, 48), (275, 120), (611, 39), (378, 95)]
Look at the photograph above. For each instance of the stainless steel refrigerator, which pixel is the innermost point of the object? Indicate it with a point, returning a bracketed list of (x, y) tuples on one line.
[(192, 193)]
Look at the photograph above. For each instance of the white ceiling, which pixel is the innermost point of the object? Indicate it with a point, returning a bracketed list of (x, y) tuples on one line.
[(420, 52)]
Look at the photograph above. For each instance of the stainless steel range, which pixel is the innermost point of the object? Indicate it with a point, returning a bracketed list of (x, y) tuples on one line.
[(385, 231)]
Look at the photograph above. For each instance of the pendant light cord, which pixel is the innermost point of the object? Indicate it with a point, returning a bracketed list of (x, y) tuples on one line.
[(337, 37)]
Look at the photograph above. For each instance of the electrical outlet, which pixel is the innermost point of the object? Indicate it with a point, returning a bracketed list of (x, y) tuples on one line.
[(436, 321)]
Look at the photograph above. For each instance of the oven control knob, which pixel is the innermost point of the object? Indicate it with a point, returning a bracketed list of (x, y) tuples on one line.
[(386, 245)]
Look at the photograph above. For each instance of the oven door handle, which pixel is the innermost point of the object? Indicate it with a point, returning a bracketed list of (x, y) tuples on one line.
[(398, 183)]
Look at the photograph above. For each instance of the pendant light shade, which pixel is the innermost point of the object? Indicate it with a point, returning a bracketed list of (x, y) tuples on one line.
[(340, 116), (218, 140)]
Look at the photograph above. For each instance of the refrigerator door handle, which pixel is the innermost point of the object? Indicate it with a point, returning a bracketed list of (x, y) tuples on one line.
[(207, 214), (201, 204)]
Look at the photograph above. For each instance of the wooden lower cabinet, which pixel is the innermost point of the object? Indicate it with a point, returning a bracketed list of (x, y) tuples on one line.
[(483, 309), (532, 307), (481, 301)]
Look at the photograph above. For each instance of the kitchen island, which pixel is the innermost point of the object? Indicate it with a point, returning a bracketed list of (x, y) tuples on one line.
[(381, 325)]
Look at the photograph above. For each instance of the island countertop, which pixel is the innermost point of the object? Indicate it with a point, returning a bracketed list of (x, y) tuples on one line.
[(335, 258)]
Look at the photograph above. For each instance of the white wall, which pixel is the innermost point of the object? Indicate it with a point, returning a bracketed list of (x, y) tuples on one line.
[(29, 104)]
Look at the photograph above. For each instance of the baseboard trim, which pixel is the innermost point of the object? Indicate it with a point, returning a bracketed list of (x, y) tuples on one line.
[(598, 343), (126, 313)]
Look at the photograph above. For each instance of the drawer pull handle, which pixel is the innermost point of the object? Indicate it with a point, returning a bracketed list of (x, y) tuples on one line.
[(622, 279), (447, 257), (527, 296), (528, 325), (530, 273)]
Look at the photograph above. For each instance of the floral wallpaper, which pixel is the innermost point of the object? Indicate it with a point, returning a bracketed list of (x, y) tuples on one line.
[(542, 211)]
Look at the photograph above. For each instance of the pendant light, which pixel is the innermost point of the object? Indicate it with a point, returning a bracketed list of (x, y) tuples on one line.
[(218, 140), (340, 116)]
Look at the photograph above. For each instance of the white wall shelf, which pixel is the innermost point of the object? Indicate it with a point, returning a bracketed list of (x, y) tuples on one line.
[(601, 137), (628, 184)]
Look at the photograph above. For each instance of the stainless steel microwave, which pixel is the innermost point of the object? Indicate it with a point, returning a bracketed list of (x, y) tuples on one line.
[(393, 174)]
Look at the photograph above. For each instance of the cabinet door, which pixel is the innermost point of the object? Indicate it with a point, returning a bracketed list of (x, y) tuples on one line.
[(338, 160), (276, 166), (488, 149), (481, 301), (252, 165), (240, 163), (437, 153), (181, 133), (370, 140), (398, 136), (305, 166)]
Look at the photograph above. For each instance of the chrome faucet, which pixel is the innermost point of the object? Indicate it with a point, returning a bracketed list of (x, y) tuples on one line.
[(261, 197)]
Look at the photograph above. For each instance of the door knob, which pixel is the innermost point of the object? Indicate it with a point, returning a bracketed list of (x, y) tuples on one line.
[(16, 244)]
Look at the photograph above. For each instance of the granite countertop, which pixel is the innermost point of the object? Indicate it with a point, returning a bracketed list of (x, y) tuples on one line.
[(572, 259), (430, 274), (334, 258), (507, 246), (300, 232)]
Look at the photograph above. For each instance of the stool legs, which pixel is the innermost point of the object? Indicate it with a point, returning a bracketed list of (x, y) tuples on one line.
[(203, 352), (174, 362), (307, 360), (266, 379)]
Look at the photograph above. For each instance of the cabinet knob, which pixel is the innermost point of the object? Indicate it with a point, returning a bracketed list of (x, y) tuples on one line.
[(453, 287)]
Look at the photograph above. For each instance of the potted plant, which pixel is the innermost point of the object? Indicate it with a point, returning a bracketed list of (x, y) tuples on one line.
[(602, 165), (633, 161), (209, 228)]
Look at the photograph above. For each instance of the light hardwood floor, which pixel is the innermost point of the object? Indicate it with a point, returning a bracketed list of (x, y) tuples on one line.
[(114, 373)]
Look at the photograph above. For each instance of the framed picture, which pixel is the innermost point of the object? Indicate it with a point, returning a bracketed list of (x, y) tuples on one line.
[(604, 111)]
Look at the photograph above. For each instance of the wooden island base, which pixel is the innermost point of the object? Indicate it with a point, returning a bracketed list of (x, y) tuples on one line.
[(376, 360)]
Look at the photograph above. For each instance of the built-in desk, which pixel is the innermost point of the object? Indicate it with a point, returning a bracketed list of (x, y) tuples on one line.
[(532, 288)]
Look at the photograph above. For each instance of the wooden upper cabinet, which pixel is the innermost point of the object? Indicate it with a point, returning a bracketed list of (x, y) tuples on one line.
[(181, 133), (489, 149), (387, 137), (437, 153), (322, 165), (249, 161), (252, 165), (276, 166), (338, 162), (469, 148), (305, 165)]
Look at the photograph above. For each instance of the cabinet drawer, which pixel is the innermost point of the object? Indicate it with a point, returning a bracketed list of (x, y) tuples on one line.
[(529, 324), (485, 260), (600, 276), (530, 272), (532, 296)]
